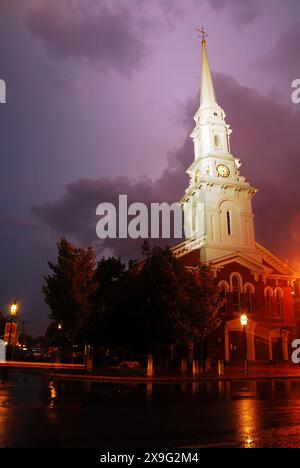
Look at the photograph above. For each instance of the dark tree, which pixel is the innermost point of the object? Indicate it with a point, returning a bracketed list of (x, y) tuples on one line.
[(162, 297), (99, 328), (205, 305), (156, 302), (69, 287), (2, 324)]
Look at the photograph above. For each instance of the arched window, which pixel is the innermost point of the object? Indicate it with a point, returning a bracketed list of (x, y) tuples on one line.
[(249, 292), (268, 301), (217, 141), (224, 289), (228, 219), (236, 293), (278, 303), (230, 225)]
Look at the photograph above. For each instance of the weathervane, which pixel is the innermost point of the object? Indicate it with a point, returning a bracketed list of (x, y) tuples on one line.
[(203, 34)]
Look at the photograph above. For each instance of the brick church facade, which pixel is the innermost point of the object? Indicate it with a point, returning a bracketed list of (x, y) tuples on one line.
[(220, 231)]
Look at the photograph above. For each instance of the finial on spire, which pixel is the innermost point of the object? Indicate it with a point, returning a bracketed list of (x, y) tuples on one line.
[(203, 34), (208, 98)]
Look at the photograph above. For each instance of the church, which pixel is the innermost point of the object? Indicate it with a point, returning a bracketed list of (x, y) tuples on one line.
[(219, 231)]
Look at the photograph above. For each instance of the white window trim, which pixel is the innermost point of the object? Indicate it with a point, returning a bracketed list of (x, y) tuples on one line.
[(280, 291), (235, 273), (224, 284), (268, 288), (249, 285)]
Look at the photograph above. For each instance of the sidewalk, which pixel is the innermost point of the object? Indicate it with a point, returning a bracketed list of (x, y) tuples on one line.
[(231, 372)]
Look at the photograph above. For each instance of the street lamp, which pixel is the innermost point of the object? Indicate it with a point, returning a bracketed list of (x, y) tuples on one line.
[(13, 313), (59, 327), (13, 309), (244, 322)]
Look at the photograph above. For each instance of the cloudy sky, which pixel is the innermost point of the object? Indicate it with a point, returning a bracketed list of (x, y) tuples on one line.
[(100, 101)]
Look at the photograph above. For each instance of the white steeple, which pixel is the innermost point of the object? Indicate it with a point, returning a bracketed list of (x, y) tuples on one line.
[(211, 134), (217, 204), (208, 97)]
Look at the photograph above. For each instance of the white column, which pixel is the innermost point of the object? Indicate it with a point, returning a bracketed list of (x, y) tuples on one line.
[(250, 333), (270, 349), (226, 342), (250, 345), (150, 370), (285, 353)]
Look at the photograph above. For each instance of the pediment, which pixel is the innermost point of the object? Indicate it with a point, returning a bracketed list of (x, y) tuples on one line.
[(243, 260)]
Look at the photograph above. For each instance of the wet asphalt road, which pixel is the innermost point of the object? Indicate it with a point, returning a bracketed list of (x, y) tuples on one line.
[(38, 412)]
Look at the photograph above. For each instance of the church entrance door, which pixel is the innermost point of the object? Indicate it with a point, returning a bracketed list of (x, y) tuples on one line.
[(236, 346)]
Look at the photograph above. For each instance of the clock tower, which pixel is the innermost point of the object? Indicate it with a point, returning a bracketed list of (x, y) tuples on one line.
[(219, 231), (217, 204)]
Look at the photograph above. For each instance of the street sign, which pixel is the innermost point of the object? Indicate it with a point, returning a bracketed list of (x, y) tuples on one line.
[(10, 334)]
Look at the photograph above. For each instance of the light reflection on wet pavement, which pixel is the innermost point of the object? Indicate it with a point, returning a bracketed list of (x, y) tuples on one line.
[(36, 411)]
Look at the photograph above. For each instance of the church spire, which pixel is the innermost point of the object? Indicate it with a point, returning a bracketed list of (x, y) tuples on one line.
[(211, 134), (217, 202), (208, 97)]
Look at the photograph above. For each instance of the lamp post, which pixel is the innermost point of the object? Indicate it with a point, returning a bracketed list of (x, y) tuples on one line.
[(244, 321), (58, 357), (13, 313)]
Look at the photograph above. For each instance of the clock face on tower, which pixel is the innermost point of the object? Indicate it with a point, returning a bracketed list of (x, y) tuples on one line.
[(223, 170)]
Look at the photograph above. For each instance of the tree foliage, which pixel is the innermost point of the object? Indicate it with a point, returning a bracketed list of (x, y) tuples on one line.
[(157, 301), (206, 302), (2, 324), (154, 302), (69, 287)]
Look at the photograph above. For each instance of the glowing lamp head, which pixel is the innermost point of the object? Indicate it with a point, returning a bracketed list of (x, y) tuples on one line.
[(13, 308), (244, 320), (59, 326)]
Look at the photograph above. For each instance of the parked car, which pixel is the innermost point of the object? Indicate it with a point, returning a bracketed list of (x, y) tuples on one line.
[(23, 354), (38, 354)]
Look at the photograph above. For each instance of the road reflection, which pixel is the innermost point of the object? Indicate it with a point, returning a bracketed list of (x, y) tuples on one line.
[(4, 413), (53, 394), (37, 411), (248, 423)]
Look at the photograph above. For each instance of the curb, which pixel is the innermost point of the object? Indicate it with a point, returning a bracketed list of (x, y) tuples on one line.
[(167, 380)]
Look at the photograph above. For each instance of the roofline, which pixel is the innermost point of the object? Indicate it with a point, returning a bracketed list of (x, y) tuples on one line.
[(244, 256), (279, 260)]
